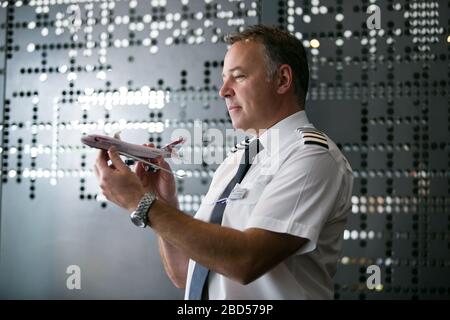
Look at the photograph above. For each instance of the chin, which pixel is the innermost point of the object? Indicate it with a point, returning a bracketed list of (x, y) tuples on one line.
[(238, 124)]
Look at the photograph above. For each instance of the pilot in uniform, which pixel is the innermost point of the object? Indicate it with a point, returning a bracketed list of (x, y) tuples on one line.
[(300, 184)]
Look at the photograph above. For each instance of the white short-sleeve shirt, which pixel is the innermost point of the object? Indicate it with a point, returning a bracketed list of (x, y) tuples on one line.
[(299, 184)]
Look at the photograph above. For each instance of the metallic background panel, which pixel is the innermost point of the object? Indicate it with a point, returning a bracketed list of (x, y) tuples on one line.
[(153, 68)]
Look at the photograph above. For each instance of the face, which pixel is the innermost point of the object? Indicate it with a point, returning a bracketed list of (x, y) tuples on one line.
[(250, 97)]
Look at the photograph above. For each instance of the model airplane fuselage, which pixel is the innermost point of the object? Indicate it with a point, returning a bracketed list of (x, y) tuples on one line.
[(130, 149)]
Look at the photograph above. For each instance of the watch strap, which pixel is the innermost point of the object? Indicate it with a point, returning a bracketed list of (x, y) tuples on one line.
[(143, 208)]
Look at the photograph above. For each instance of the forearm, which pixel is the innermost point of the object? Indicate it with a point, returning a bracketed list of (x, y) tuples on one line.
[(175, 262), (220, 249)]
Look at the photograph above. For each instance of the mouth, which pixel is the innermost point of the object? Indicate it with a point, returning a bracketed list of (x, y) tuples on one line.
[(235, 107)]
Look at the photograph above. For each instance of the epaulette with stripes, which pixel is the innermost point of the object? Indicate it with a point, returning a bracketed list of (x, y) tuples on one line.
[(240, 145), (313, 136)]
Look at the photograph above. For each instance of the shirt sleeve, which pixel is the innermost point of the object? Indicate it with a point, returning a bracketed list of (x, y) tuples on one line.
[(300, 197)]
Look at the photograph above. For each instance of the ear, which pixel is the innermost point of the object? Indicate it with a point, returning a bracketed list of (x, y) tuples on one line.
[(284, 78)]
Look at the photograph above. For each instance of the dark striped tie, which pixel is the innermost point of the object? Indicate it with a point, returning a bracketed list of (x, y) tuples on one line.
[(200, 274)]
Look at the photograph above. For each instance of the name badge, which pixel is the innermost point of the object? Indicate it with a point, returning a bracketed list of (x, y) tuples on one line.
[(237, 193)]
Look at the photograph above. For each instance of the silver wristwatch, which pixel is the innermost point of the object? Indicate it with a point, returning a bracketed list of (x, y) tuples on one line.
[(140, 216)]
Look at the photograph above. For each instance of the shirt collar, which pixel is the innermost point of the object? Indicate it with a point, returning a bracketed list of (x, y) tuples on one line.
[(272, 138)]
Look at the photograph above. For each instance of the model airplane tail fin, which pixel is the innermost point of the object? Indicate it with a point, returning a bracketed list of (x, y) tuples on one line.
[(173, 148), (117, 135)]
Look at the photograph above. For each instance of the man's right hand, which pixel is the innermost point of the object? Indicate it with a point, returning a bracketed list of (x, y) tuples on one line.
[(161, 183)]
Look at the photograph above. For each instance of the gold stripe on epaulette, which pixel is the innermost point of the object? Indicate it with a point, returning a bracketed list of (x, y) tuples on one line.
[(310, 130), (313, 136)]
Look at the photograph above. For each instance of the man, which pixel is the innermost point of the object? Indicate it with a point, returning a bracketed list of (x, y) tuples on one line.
[(272, 230)]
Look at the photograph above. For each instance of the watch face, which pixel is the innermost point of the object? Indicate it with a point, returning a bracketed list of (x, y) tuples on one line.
[(137, 220)]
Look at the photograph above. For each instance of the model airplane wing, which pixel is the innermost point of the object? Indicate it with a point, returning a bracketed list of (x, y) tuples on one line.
[(181, 176)]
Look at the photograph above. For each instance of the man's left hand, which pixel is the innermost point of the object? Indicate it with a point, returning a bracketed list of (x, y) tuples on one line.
[(118, 183)]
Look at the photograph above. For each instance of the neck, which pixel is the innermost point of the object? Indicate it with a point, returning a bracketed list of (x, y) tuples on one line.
[(284, 113)]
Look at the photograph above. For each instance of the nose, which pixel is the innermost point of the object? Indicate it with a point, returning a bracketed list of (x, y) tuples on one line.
[(226, 90)]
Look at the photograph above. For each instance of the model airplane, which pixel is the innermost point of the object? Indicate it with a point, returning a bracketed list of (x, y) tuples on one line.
[(135, 151)]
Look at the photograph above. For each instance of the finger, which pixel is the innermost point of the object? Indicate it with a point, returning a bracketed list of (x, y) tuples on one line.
[(102, 161), (97, 173), (140, 171), (160, 161), (106, 195), (146, 169), (116, 161)]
